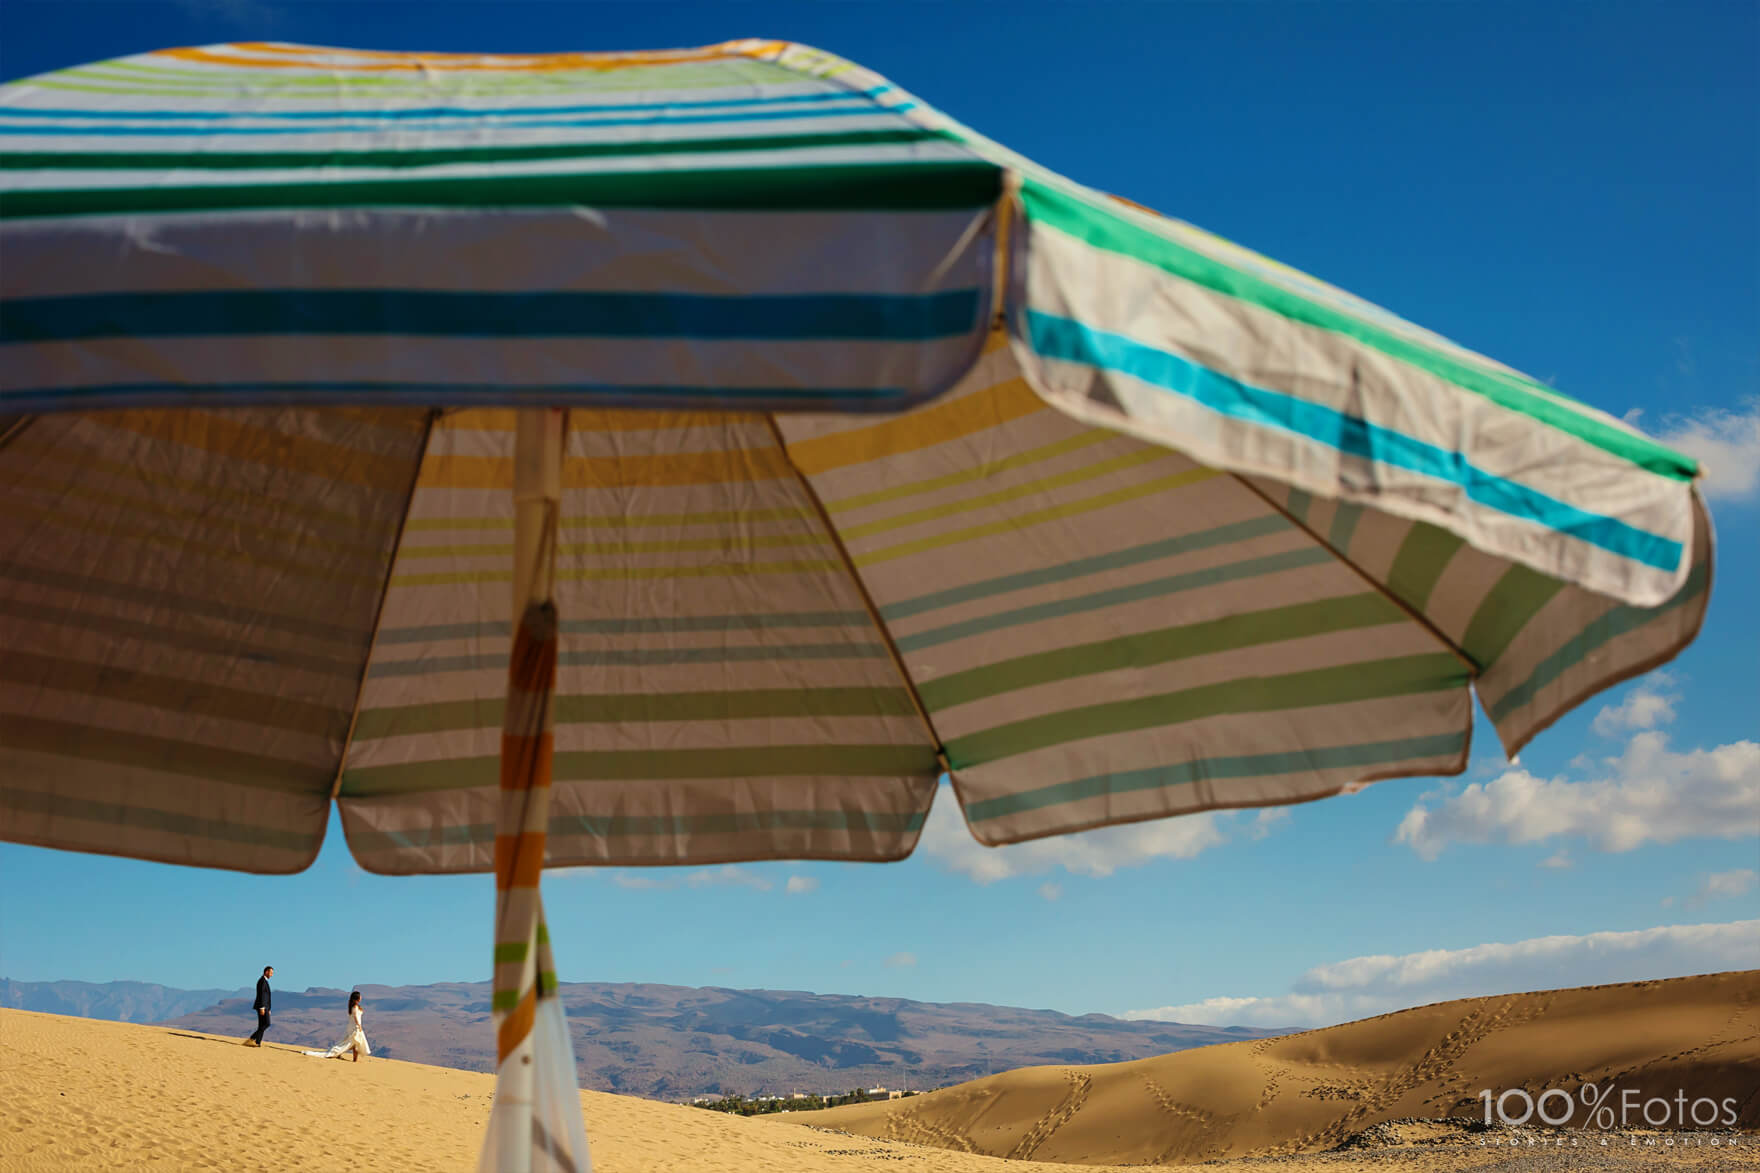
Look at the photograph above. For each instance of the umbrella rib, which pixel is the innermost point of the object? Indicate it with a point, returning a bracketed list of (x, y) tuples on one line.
[(16, 429), (384, 590), (1410, 613), (855, 576)]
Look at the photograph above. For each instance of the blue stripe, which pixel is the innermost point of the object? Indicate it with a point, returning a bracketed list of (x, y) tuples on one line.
[(781, 317), (1409, 753), (498, 124), (1071, 341), (836, 95), (1224, 535)]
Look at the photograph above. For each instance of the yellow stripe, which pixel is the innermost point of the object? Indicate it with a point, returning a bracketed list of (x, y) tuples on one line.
[(726, 466), (966, 476), (605, 574), (492, 419), (727, 544), (1022, 521), (989, 408), (1064, 480)]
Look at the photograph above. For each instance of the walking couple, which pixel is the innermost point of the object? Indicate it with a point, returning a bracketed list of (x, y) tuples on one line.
[(353, 1042)]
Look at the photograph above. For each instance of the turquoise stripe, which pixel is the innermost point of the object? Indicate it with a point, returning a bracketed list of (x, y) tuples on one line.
[(460, 314), (1114, 233), (684, 623), (1070, 341), (1119, 596), (1593, 637), (638, 657), (1223, 535), (829, 95), (1317, 760)]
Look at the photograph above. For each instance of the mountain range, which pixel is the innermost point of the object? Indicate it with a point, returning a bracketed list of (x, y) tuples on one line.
[(668, 1042)]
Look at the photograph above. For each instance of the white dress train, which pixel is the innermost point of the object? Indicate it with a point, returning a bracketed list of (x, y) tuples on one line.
[(354, 1040)]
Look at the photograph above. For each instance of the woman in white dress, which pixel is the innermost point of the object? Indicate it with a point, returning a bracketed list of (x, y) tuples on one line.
[(356, 1038)]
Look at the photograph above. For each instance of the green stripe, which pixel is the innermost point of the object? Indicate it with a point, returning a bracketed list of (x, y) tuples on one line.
[(1596, 635), (1118, 596), (1418, 567), (1207, 637), (1504, 611), (1299, 504), (515, 952), (619, 708), (893, 187), (94, 743), (751, 621), (1344, 527), (1340, 684), (1078, 218), (852, 819), (1302, 761), (141, 818), (777, 761), (445, 156), (1222, 535), (504, 1001)]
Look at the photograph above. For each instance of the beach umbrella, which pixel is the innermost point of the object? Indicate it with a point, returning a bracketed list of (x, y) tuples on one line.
[(689, 457)]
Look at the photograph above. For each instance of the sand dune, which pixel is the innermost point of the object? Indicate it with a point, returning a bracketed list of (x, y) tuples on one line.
[(1310, 1092), (82, 1095)]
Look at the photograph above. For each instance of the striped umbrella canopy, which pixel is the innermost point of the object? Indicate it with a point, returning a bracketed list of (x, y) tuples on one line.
[(887, 454)]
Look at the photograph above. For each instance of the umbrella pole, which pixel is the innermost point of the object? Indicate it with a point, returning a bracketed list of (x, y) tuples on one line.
[(526, 750)]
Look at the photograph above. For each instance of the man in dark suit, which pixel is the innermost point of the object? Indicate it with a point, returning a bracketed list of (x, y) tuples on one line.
[(261, 1006)]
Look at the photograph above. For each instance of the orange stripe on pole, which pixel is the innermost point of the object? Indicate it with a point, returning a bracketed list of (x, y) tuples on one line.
[(519, 860), (516, 1026), (526, 761)]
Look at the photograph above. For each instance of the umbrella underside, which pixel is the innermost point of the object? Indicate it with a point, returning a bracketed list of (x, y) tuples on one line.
[(1191, 531), (1097, 628)]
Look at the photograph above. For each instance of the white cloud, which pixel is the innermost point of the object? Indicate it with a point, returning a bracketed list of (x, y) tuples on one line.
[(1365, 986), (1086, 853), (1645, 707), (1724, 886), (1559, 859), (730, 875), (1726, 442), (1051, 891), (662, 880), (801, 885), (900, 961), (1647, 794), (1267, 819)]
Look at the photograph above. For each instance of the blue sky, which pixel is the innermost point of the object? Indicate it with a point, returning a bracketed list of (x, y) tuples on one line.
[(1570, 188)]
